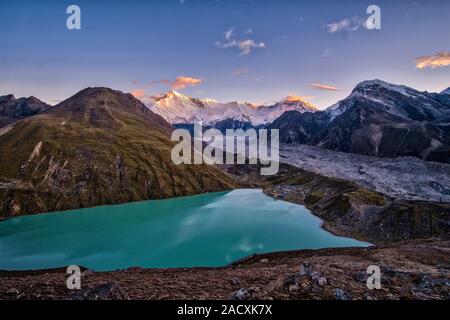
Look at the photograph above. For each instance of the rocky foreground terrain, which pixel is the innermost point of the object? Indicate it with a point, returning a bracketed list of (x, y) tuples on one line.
[(409, 270)]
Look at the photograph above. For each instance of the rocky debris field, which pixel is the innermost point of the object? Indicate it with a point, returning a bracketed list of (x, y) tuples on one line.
[(405, 178), (409, 270)]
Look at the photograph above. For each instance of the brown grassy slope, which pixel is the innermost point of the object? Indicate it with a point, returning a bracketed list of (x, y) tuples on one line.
[(98, 147)]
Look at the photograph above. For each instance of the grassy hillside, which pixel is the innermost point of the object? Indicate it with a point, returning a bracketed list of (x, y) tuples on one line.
[(98, 147)]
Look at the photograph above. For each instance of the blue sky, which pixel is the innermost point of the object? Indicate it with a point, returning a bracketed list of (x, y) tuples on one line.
[(256, 51)]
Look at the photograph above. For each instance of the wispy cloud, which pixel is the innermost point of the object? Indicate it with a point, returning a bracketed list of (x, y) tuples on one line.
[(324, 86), (346, 25), (439, 60), (245, 46), (326, 53), (229, 33)]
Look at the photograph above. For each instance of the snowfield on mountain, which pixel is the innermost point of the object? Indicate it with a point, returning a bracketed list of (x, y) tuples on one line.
[(177, 108)]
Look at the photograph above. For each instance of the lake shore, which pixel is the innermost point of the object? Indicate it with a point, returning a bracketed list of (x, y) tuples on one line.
[(417, 269), (348, 209), (168, 233)]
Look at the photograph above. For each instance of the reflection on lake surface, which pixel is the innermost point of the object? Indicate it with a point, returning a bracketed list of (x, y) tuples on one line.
[(205, 230)]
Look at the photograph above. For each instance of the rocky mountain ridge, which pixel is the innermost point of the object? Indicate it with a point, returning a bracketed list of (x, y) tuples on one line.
[(12, 109), (376, 119)]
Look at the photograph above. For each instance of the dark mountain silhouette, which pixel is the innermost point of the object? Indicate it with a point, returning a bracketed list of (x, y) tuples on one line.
[(12, 109)]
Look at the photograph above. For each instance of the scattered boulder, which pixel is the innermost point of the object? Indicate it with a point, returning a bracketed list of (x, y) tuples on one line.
[(305, 269), (293, 287), (13, 291), (290, 279), (428, 285), (241, 294), (322, 281), (426, 282), (87, 272), (276, 285), (389, 271), (254, 289), (107, 291), (305, 279), (314, 275), (340, 294), (360, 276), (235, 281)]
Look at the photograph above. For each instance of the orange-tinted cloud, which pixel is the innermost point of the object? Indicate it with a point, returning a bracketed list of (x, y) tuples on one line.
[(141, 95), (179, 83), (324, 86), (297, 98), (182, 82), (138, 93), (441, 59)]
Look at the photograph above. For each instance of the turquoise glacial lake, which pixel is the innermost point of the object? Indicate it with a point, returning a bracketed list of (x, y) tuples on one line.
[(212, 229)]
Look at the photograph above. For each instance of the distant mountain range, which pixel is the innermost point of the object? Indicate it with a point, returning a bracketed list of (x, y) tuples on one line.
[(12, 109), (177, 108), (103, 146), (100, 146), (377, 119)]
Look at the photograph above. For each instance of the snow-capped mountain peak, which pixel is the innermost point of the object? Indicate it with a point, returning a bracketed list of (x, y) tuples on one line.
[(446, 91), (298, 103), (399, 100), (177, 108), (177, 97), (369, 87)]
